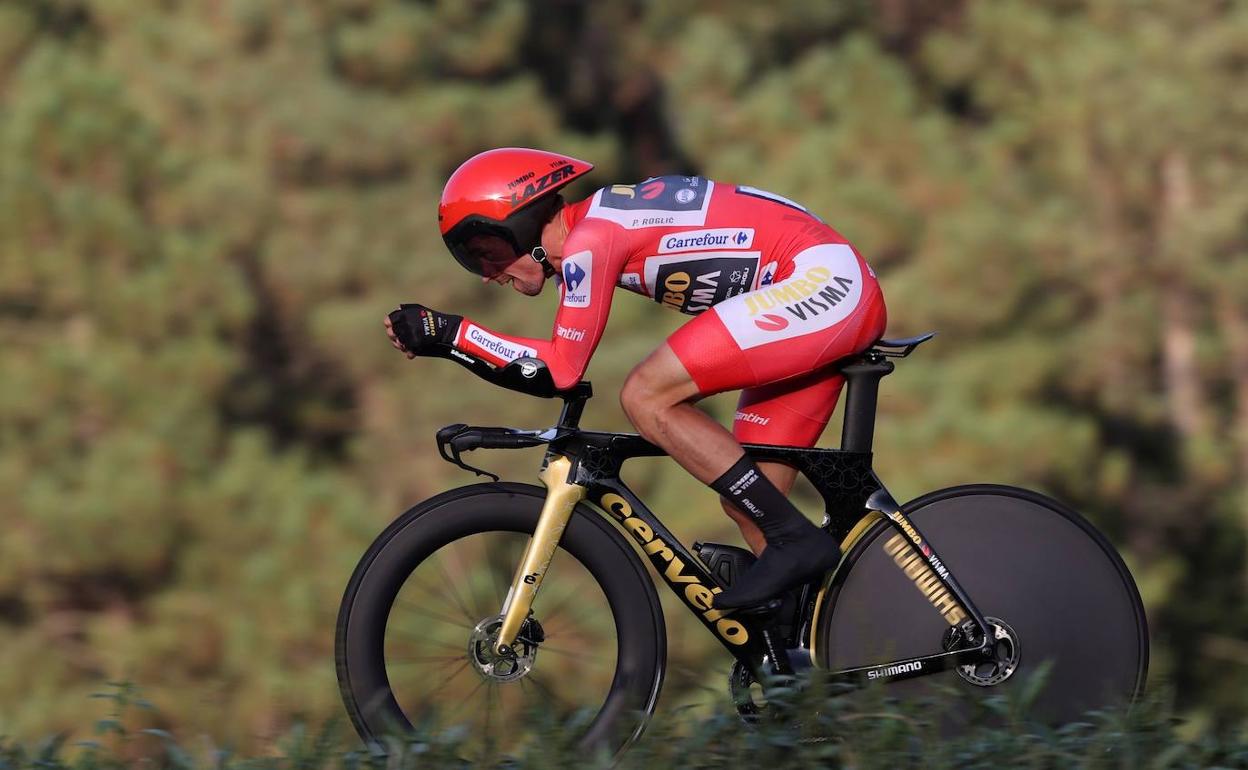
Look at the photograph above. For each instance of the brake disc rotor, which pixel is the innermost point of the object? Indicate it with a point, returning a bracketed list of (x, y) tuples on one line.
[(512, 666), (1006, 652)]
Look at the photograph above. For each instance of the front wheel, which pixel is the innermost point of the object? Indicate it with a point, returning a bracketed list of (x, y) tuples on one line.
[(1055, 591), (420, 614)]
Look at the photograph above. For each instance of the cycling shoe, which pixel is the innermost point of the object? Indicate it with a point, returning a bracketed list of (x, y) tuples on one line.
[(726, 562), (783, 565)]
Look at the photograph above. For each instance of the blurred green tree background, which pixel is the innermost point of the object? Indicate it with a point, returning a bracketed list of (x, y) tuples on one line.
[(207, 207)]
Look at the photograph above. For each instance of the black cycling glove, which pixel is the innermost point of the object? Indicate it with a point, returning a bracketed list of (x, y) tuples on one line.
[(417, 327)]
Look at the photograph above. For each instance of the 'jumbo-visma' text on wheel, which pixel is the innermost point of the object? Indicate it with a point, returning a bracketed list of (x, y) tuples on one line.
[(1052, 588)]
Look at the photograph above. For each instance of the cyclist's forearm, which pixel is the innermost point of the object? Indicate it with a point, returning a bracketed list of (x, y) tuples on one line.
[(494, 347), (501, 349)]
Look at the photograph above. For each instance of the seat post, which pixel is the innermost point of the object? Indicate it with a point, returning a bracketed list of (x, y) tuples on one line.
[(862, 394)]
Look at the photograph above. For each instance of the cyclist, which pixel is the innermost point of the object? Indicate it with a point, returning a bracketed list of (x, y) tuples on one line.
[(777, 296)]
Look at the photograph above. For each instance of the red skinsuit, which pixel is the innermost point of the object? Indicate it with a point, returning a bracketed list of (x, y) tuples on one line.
[(784, 295)]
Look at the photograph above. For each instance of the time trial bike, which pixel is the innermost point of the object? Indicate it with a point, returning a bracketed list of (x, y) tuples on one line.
[(486, 601)]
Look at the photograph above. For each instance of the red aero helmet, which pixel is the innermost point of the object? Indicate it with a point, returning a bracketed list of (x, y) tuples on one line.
[(509, 193)]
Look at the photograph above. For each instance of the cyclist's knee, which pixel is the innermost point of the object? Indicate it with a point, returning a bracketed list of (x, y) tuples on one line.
[(638, 393), (654, 385), (645, 394)]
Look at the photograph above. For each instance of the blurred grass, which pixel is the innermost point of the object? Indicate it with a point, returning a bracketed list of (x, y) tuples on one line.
[(860, 732)]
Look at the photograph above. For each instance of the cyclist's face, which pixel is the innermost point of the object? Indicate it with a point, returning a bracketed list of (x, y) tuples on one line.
[(500, 264), (493, 254)]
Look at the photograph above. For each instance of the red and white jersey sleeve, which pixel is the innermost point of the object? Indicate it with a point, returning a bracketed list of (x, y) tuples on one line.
[(593, 258), (696, 246)]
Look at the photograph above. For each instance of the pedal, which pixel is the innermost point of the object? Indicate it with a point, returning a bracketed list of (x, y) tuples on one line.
[(764, 610), (726, 562)]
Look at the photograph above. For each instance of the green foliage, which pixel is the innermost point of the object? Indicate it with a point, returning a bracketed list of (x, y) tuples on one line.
[(831, 732), (206, 208)]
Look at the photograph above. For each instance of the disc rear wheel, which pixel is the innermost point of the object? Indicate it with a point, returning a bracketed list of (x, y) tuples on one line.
[(1058, 597)]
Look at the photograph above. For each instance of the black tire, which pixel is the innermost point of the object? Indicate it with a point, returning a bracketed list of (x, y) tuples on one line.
[(1022, 558), (498, 518)]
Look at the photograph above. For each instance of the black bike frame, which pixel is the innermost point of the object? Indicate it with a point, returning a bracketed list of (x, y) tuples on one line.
[(844, 479)]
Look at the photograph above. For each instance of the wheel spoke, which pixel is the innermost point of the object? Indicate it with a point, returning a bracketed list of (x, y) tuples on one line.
[(487, 745), (464, 701), (463, 579), (479, 595), (421, 610), (427, 590), (502, 561), (459, 649), (559, 605), (390, 660), (575, 655), (449, 585), (439, 613), (548, 693), (458, 670)]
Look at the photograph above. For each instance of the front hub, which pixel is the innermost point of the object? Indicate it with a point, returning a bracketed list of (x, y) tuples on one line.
[(509, 666)]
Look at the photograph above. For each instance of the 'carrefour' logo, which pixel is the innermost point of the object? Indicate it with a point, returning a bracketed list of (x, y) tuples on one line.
[(573, 274), (703, 240), (578, 279)]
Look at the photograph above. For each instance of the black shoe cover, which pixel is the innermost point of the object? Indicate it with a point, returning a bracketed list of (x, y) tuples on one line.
[(783, 565)]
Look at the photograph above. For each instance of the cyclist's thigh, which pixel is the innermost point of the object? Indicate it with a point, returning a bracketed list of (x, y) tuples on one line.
[(790, 413), (829, 307)]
